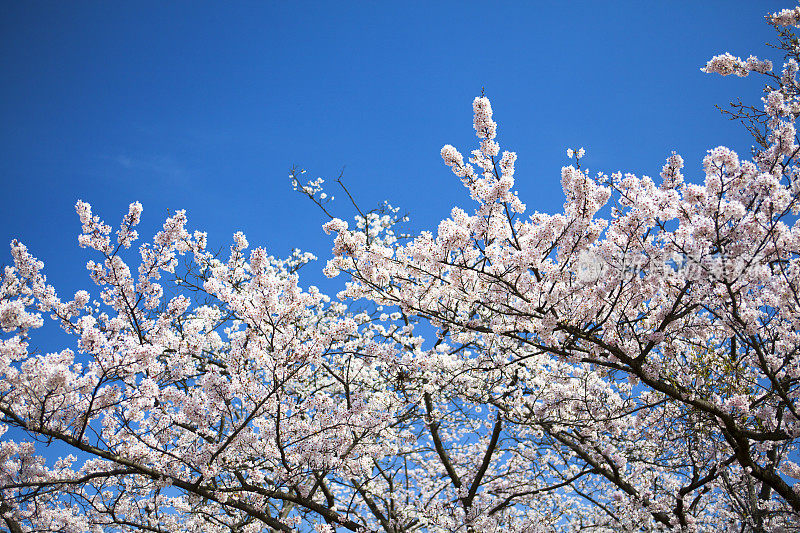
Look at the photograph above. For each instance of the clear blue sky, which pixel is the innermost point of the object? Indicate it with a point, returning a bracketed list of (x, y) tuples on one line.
[(206, 106)]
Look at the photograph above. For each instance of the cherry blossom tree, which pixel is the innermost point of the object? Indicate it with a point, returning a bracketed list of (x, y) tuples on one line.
[(643, 362), (629, 364)]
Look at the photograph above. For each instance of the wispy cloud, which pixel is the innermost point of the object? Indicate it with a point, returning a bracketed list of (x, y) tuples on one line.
[(163, 166)]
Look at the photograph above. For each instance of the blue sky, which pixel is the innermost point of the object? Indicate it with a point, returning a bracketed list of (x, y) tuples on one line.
[(206, 106)]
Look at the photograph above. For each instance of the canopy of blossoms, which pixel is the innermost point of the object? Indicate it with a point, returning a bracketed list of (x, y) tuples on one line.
[(631, 363)]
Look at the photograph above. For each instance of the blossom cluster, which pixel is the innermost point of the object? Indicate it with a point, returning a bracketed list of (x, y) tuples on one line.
[(786, 17), (726, 64)]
